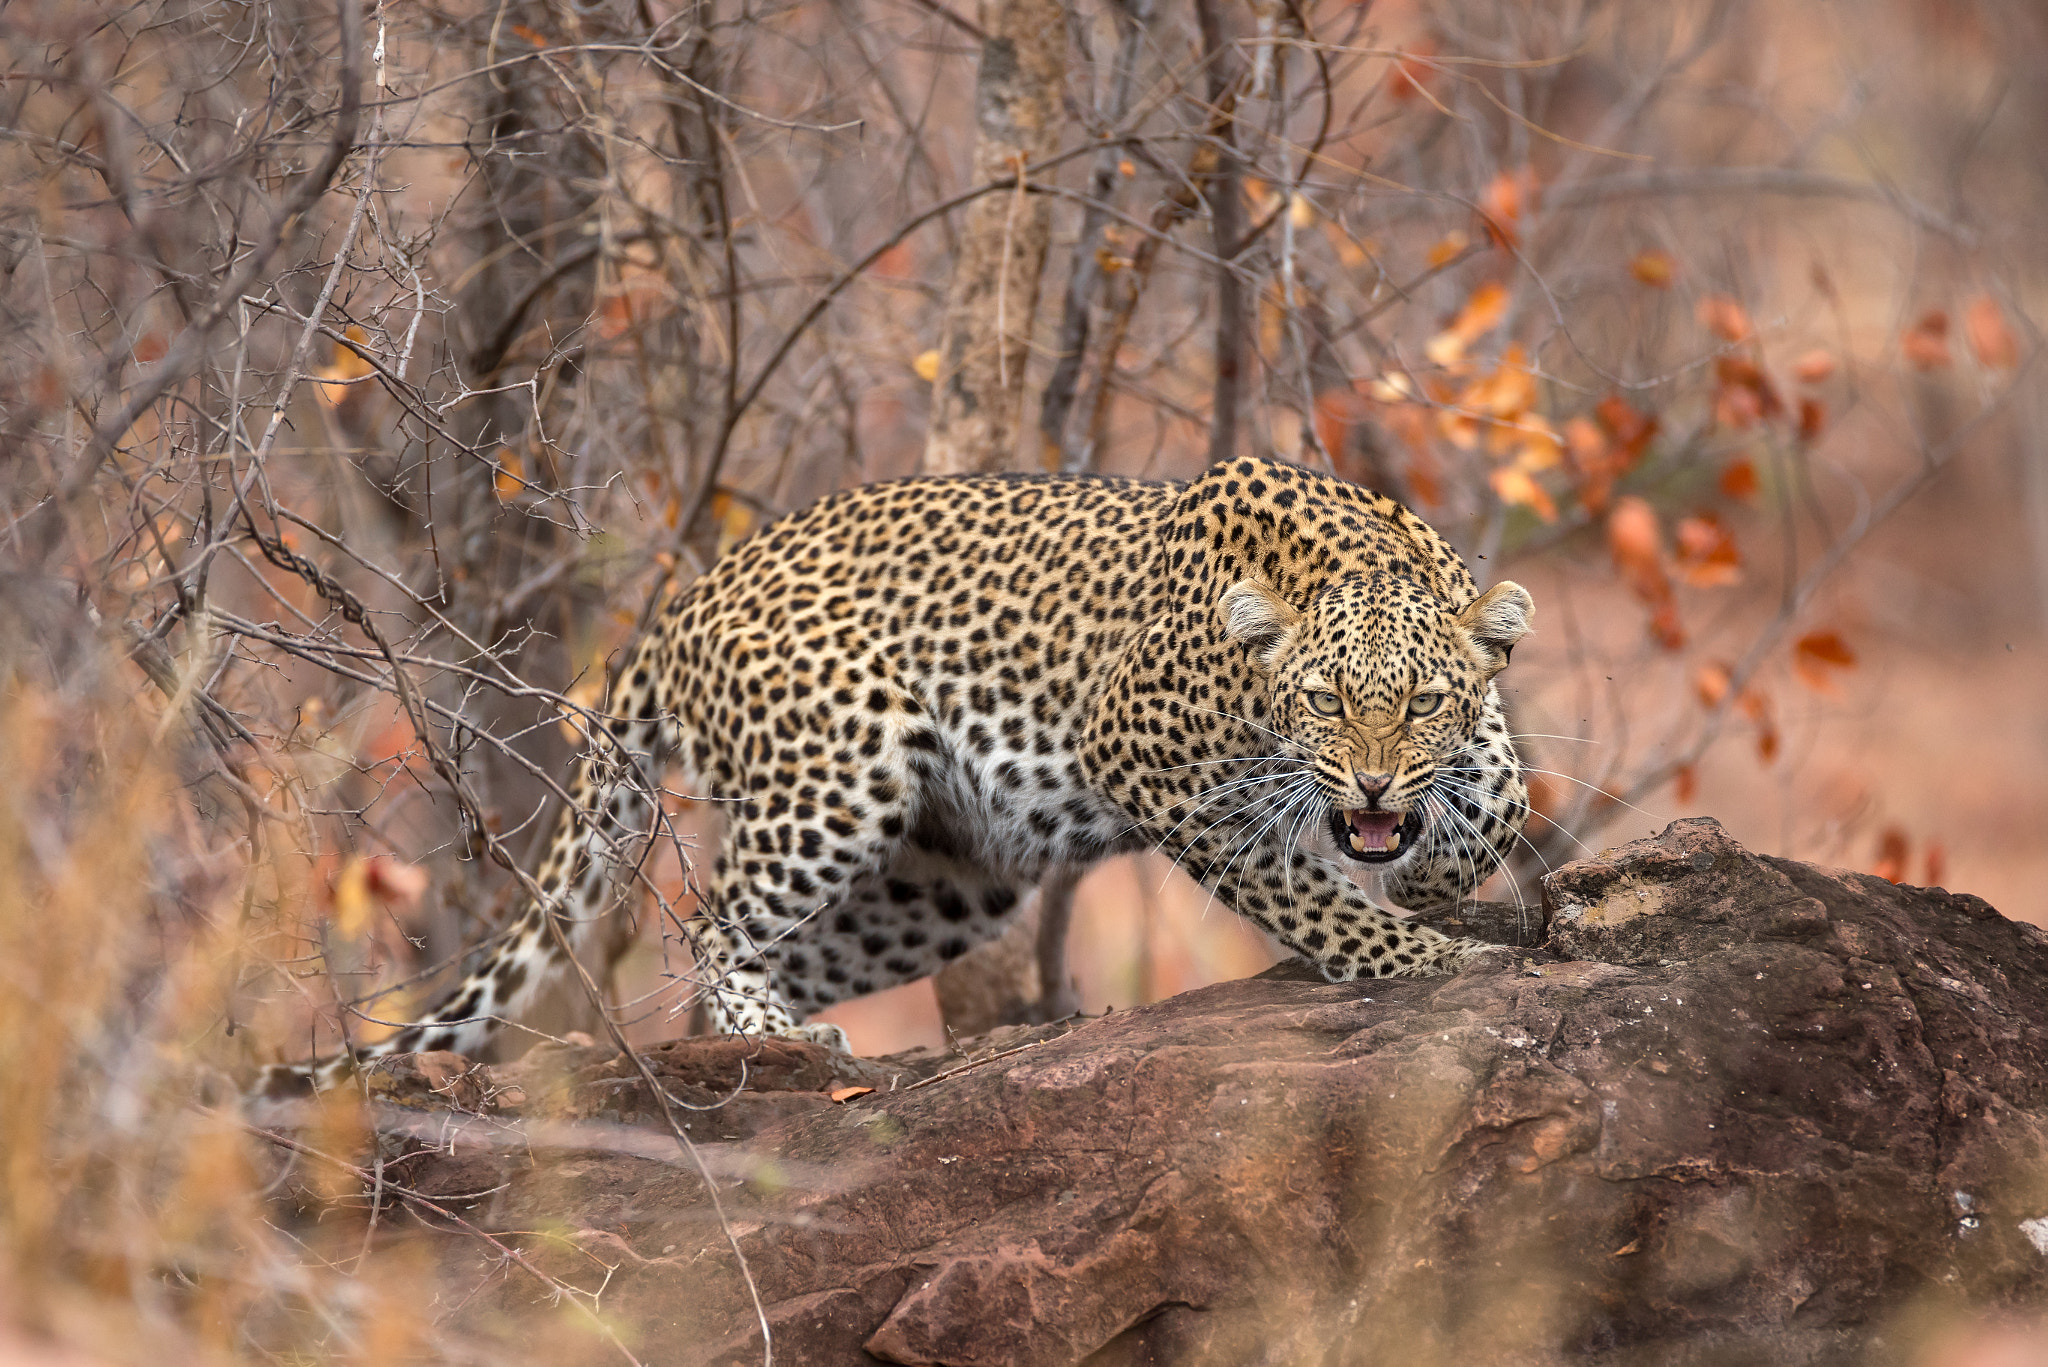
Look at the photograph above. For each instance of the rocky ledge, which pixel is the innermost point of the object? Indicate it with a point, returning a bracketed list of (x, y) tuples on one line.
[(1729, 1109)]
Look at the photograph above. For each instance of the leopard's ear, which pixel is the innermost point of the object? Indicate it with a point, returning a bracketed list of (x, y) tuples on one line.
[(1496, 620), (1256, 615)]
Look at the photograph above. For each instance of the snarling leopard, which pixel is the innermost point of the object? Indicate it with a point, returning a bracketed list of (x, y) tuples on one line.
[(913, 698)]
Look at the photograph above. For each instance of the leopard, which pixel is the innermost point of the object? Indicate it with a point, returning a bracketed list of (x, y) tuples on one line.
[(913, 698)]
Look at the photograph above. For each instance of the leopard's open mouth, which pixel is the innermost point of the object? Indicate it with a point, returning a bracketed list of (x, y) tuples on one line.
[(1375, 837)]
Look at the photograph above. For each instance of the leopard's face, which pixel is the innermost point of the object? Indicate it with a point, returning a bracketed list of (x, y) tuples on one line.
[(1380, 687)]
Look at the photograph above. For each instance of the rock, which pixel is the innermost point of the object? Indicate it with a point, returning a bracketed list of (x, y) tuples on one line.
[(1733, 1109)]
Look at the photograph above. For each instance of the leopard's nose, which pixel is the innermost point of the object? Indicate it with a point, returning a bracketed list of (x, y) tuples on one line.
[(1374, 786)]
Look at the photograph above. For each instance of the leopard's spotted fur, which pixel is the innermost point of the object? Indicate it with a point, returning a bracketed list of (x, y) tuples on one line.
[(914, 697)]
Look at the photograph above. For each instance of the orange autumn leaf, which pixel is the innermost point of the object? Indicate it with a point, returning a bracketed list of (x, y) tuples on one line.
[(1481, 314), (1706, 557), (1507, 199), (1654, 268), (1813, 419), (150, 346), (1337, 411), (1724, 317), (1990, 337), (1635, 541), (1817, 656), (615, 315), (1637, 545), (1925, 344), (336, 379), (1738, 478), (1630, 429), (1710, 682), (1505, 393), (895, 263), (1746, 394), (1892, 853), (1665, 628), (735, 519), (508, 474), (1814, 366), (1687, 784), (843, 1095), (1447, 247), (1517, 488), (361, 883), (1937, 864), (1412, 72), (1425, 479), (531, 35)]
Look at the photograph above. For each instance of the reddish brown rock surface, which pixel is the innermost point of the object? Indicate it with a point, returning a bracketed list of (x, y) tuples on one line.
[(1733, 1110)]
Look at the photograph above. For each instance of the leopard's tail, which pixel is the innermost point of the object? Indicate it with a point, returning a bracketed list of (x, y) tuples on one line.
[(594, 862)]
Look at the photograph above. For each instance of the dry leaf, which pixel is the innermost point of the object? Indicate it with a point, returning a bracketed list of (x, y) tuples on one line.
[(846, 1094), (1925, 344), (508, 474), (1990, 337), (1507, 199), (1686, 785), (1746, 394), (1710, 682), (1723, 317), (1937, 864), (1892, 852), (1447, 247), (1631, 430), (614, 315), (735, 519), (362, 882), (344, 366), (1507, 392), (1516, 487), (1635, 541), (1816, 658), (397, 882), (926, 365), (1813, 419), (1814, 367), (1707, 557), (1337, 409), (1412, 72), (1738, 478), (1482, 313), (1654, 268)]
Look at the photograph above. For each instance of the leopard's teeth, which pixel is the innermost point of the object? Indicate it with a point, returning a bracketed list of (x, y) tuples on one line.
[(1394, 838), (1358, 842)]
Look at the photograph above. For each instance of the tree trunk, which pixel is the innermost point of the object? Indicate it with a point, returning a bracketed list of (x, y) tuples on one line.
[(978, 395), (984, 344)]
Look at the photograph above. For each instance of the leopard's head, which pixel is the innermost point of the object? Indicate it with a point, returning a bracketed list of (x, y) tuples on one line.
[(1379, 686)]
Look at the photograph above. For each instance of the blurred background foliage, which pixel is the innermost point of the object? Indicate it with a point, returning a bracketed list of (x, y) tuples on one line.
[(370, 372)]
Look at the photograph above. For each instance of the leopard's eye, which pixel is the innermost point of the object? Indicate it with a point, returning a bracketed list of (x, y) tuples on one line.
[(1326, 704), (1425, 704)]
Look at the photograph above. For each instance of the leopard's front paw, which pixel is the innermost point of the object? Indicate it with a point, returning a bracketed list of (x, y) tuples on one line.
[(821, 1032), (1462, 954)]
